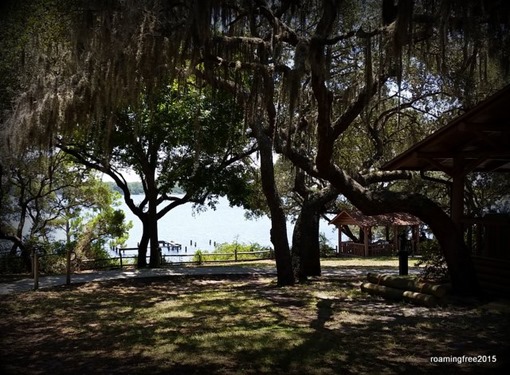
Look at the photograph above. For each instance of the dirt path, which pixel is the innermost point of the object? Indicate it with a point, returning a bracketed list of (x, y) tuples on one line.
[(27, 284)]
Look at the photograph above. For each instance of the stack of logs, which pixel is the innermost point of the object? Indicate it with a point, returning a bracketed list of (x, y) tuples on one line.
[(404, 288)]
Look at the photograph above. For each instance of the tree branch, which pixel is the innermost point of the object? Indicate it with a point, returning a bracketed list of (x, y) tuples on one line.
[(346, 119), (383, 176), (119, 179)]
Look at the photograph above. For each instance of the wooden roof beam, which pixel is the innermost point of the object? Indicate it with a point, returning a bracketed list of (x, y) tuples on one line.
[(432, 158)]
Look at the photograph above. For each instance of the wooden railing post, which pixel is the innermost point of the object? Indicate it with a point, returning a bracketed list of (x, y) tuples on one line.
[(120, 258)]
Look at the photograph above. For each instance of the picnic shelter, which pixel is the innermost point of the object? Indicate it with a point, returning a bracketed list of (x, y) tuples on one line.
[(392, 222), (477, 141)]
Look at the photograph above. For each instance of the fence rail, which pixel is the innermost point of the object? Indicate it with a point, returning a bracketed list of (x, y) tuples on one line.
[(68, 263), (358, 249), (237, 256)]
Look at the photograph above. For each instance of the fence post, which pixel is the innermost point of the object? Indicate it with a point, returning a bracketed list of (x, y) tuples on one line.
[(35, 268), (235, 254), (120, 257)]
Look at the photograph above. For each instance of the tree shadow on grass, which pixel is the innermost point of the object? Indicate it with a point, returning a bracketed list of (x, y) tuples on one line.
[(238, 325), (368, 335)]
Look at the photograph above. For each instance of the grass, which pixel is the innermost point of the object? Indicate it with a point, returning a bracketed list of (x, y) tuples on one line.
[(239, 325), (363, 261), (325, 262)]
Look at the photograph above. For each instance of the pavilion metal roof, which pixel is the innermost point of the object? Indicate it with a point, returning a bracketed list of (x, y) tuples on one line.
[(480, 138)]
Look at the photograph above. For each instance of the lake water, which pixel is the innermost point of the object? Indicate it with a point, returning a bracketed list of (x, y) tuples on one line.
[(201, 230)]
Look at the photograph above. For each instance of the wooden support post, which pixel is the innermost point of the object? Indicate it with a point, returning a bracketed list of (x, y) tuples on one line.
[(340, 229), (479, 239), (120, 258)]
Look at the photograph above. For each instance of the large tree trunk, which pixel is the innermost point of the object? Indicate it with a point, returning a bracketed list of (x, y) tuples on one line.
[(305, 239), (26, 257), (142, 246), (460, 265), (155, 253), (459, 262), (305, 243), (279, 238), (264, 136)]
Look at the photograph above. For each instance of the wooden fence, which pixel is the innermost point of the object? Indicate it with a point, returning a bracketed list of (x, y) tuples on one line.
[(72, 264), (358, 249)]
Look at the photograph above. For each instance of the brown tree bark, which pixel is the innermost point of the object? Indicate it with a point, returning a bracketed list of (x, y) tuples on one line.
[(457, 257), (305, 239), (263, 128), (285, 275), (369, 202), (142, 247), (152, 217), (305, 243)]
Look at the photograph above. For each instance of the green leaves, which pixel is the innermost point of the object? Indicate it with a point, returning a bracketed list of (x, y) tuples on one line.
[(45, 191)]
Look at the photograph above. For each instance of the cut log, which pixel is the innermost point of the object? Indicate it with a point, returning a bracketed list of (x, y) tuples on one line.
[(406, 283), (399, 294)]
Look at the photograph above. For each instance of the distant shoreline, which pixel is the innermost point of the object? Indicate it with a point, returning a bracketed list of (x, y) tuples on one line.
[(136, 188)]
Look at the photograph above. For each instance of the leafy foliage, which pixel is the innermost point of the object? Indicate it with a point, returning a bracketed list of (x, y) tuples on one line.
[(336, 86), (181, 137), (487, 193), (326, 249), (434, 262), (43, 192)]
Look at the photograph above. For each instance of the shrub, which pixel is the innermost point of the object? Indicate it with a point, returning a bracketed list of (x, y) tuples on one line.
[(52, 264), (326, 250), (11, 263), (433, 259), (198, 257), (227, 252), (51, 255)]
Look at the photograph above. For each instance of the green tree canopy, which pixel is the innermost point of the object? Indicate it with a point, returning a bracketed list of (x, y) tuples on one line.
[(44, 191), (184, 137), (306, 74)]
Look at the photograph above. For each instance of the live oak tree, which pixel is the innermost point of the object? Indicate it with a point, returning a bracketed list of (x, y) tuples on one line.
[(305, 201), (180, 137), (102, 228), (297, 68), (321, 42), (43, 191), (305, 238)]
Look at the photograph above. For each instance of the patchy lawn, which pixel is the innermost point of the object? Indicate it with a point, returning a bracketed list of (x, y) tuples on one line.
[(241, 325)]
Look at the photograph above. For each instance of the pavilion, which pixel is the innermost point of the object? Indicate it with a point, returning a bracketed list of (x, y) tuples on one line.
[(381, 248), (477, 141)]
